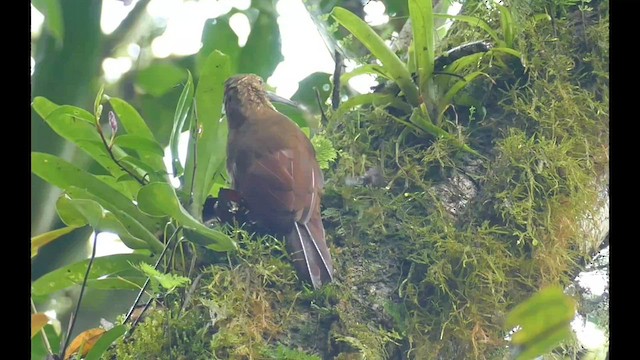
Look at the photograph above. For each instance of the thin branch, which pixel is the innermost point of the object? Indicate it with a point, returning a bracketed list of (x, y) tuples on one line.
[(44, 336), (337, 72), (84, 285), (113, 157)]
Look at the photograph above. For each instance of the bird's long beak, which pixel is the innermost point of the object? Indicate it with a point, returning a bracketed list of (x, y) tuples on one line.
[(280, 100)]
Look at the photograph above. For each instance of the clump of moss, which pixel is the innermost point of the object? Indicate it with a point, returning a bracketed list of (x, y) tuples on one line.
[(249, 308), (441, 280)]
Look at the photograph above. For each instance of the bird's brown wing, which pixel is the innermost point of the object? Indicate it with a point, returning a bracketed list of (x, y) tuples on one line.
[(282, 189)]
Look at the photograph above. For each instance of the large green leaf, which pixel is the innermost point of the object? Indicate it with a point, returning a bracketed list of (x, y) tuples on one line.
[(73, 274), (544, 321), (78, 126), (157, 79), (65, 175), (160, 199), (421, 13), (261, 54), (210, 136), (103, 220), (133, 124), (140, 144), (183, 110), (218, 35), (390, 61)]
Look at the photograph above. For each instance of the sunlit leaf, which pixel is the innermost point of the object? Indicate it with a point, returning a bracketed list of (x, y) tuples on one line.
[(70, 275), (41, 240), (160, 199), (366, 69), (392, 64), (421, 13)]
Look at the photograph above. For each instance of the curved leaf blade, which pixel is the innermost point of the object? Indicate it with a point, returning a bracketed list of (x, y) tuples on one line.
[(41, 240), (160, 199), (73, 274), (140, 144), (207, 132), (64, 175), (393, 65)]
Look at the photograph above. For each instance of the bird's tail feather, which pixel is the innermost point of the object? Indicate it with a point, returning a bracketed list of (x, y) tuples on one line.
[(310, 253)]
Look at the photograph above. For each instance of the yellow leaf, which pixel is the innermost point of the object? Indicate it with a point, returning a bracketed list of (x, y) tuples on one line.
[(84, 342), (38, 321), (41, 240)]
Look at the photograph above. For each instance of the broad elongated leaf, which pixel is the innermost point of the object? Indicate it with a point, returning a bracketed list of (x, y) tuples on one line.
[(133, 124), (210, 136), (41, 240), (472, 20), (121, 282), (371, 69), (160, 199), (421, 13), (140, 144), (105, 341), (183, 109), (65, 175), (73, 274), (544, 320), (103, 220), (392, 64), (77, 126), (376, 99), (218, 35)]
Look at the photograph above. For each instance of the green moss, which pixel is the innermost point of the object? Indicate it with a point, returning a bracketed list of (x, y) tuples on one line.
[(424, 270)]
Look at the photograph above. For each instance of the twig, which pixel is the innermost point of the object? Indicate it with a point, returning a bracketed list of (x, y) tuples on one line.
[(146, 283), (84, 285), (337, 72), (44, 336), (322, 114), (113, 157)]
